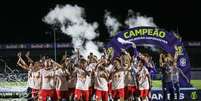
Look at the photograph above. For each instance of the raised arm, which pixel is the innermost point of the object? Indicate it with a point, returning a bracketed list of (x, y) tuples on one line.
[(106, 54), (56, 64), (161, 60), (63, 58), (21, 62), (78, 54), (28, 58), (126, 58), (176, 57), (100, 62)]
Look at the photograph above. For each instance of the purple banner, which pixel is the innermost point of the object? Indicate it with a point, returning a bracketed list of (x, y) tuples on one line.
[(154, 36)]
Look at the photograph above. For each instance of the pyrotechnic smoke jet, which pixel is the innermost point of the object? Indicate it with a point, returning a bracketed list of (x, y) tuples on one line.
[(137, 21), (72, 23), (111, 23)]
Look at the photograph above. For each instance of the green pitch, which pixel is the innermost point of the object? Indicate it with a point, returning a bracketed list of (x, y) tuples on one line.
[(6, 84), (195, 83), (155, 83)]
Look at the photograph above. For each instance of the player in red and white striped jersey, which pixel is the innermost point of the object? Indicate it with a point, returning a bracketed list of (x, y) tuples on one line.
[(33, 74), (92, 62), (62, 75), (48, 82), (36, 80), (101, 81), (118, 80), (72, 80), (143, 78), (83, 81)]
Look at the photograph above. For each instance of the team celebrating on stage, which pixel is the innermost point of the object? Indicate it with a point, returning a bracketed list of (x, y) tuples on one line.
[(124, 77)]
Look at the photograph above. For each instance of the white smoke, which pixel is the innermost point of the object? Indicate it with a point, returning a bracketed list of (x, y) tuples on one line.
[(71, 21), (91, 47), (111, 23), (100, 44), (137, 21)]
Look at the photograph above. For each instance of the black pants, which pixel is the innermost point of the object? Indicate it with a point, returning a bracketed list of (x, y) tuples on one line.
[(177, 91), (168, 87), (29, 97)]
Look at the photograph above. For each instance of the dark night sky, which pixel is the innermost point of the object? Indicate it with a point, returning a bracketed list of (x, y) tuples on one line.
[(21, 20)]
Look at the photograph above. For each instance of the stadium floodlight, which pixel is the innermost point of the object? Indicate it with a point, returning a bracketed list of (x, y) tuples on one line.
[(55, 46), (55, 27)]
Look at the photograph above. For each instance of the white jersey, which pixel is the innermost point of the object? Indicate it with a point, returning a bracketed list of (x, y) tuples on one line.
[(118, 79), (48, 79), (143, 79), (36, 79), (100, 82), (30, 79), (83, 80), (109, 69), (90, 68), (61, 81)]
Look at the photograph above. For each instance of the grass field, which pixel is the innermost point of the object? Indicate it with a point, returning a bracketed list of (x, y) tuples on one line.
[(195, 83), (12, 84), (156, 83), (17, 85)]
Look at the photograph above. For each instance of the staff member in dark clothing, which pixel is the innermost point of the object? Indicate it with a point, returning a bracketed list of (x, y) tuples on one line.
[(167, 84)]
